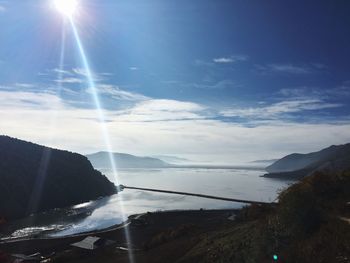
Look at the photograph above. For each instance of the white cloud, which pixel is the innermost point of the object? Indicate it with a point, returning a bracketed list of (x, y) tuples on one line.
[(28, 100), (342, 90), (230, 59), (80, 71), (223, 84), (288, 68), (70, 80), (2, 9), (24, 85), (223, 60), (116, 93), (134, 68), (47, 119), (85, 74), (61, 71), (277, 109), (76, 75), (154, 110), (80, 75)]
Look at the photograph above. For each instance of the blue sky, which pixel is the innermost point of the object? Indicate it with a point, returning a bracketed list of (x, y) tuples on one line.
[(221, 81)]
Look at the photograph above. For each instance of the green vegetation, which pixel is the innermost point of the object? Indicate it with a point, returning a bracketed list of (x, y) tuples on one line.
[(308, 225)]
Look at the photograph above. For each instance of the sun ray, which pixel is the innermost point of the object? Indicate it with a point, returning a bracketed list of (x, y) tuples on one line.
[(36, 194), (102, 121)]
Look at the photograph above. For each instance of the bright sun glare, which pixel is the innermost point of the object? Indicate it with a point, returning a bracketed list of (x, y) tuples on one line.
[(66, 7)]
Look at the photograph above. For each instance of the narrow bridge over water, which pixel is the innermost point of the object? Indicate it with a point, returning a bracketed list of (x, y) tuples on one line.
[(122, 187)]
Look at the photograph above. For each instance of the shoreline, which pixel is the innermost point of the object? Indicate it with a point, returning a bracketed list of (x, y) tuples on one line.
[(156, 222), (41, 237), (178, 230)]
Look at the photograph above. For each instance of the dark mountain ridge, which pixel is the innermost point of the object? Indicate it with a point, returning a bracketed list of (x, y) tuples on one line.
[(295, 166), (36, 178)]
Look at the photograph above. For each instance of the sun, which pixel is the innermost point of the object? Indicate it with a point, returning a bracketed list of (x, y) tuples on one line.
[(66, 7)]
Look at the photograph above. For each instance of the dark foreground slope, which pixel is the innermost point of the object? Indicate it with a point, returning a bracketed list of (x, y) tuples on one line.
[(310, 224), (296, 166), (35, 178)]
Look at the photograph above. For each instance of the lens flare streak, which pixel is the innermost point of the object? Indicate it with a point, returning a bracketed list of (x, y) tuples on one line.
[(102, 121), (34, 202)]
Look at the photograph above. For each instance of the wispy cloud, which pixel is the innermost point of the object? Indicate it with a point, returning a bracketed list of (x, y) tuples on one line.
[(71, 80), (141, 129), (159, 126), (144, 125), (163, 110), (223, 84), (134, 68), (221, 60), (2, 8), (95, 75), (28, 100), (288, 68), (61, 71), (338, 92), (76, 75), (230, 59), (25, 85), (117, 93), (275, 110)]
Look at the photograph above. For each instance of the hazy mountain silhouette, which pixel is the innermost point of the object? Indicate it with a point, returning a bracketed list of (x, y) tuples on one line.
[(123, 160), (296, 165), (35, 178)]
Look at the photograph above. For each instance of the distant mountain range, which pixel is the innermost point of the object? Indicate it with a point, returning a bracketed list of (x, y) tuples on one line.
[(101, 160), (35, 178), (296, 165), (123, 160)]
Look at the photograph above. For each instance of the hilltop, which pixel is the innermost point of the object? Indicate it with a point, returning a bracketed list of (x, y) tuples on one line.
[(35, 178), (309, 224), (335, 158)]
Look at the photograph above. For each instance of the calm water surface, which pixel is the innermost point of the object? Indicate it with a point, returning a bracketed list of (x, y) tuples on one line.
[(105, 212)]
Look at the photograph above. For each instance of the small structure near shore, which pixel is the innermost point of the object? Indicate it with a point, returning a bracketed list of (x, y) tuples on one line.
[(92, 243)]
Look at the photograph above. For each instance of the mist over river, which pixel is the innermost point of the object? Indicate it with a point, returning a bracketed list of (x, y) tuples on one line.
[(109, 211)]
